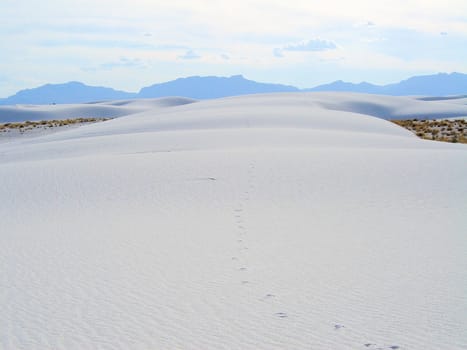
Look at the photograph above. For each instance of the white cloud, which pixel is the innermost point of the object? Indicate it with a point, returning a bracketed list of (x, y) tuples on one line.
[(277, 52), (315, 45), (189, 55), (311, 45), (93, 33), (123, 62)]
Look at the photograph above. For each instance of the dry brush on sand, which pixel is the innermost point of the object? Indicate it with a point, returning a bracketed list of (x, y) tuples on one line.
[(29, 125), (438, 130)]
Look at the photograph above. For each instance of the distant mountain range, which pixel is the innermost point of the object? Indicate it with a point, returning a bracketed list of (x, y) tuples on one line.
[(441, 84)]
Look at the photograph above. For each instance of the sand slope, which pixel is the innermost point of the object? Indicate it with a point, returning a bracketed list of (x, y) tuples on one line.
[(385, 107), (257, 222), (105, 109)]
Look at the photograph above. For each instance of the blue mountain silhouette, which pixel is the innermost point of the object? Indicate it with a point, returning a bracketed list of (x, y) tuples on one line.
[(212, 87), (441, 84)]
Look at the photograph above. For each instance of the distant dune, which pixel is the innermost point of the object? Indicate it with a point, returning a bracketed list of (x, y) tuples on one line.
[(385, 107), (106, 109)]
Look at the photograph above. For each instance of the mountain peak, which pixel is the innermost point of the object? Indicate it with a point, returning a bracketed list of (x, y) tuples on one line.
[(211, 87), (70, 92)]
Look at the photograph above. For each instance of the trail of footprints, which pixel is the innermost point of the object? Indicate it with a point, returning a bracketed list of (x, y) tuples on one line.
[(371, 346), (242, 246), (242, 238)]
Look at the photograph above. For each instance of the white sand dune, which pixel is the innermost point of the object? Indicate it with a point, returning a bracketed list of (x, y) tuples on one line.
[(282, 221), (385, 107), (461, 99), (391, 107), (106, 109)]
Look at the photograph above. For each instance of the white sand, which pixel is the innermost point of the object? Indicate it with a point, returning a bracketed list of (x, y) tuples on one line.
[(256, 222), (385, 107), (106, 109), (15, 134)]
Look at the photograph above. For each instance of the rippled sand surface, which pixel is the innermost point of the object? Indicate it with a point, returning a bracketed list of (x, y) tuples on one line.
[(246, 223)]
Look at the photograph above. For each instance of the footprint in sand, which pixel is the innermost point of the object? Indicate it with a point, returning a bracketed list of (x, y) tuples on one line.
[(392, 347), (267, 297)]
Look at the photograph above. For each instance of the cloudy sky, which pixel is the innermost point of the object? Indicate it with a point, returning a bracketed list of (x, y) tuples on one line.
[(131, 44)]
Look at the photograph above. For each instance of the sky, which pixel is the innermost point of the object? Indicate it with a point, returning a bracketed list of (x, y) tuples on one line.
[(131, 44)]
